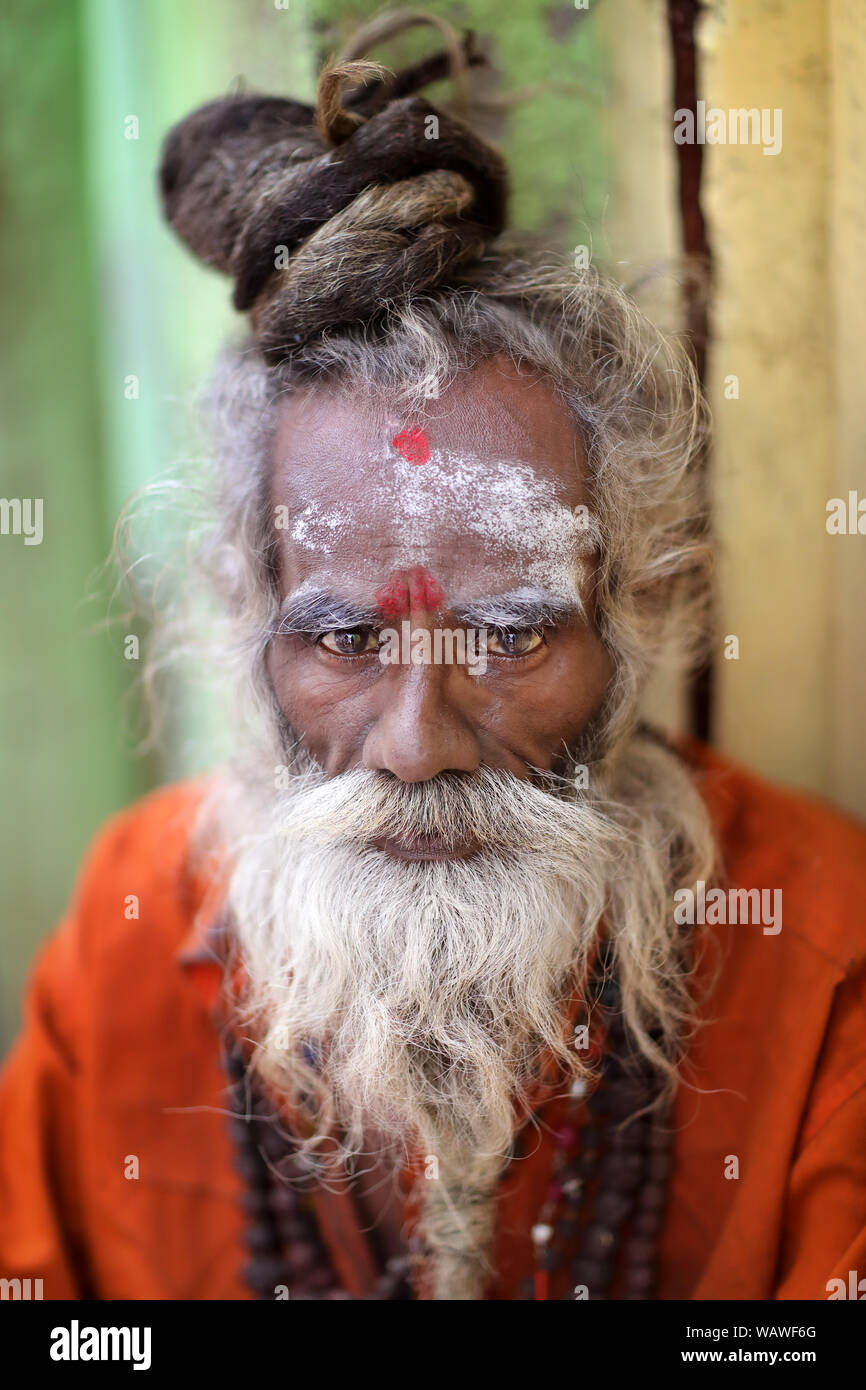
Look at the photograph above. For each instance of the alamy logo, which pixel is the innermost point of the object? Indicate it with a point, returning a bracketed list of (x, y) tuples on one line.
[(846, 519), (740, 126), (76, 1343), (855, 1289), (22, 516), (441, 647), (24, 1289), (743, 906)]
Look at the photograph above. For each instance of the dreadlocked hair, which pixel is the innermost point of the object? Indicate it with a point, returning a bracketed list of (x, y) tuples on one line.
[(365, 237)]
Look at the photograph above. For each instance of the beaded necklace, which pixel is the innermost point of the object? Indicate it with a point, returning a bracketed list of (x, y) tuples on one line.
[(606, 1196)]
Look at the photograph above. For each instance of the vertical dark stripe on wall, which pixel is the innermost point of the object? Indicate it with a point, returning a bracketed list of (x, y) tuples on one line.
[(682, 18)]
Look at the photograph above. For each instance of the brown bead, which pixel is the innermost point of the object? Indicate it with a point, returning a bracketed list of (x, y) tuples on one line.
[(251, 1168), (623, 1171), (598, 1241), (264, 1273), (302, 1257), (632, 1139), (640, 1251), (625, 1100), (639, 1283), (611, 1208), (595, 1274), (255, 1202), (283, 1199), (660, 1137), (658, 1166), (292, 1235), (585, 1165), (646, 1223), (259, 1238), (654, 1196)]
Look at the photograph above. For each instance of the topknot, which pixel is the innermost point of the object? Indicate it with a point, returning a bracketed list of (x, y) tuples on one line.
[(326, 215)]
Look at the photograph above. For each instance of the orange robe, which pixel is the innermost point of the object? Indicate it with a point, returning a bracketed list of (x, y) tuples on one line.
[(118, 1061)]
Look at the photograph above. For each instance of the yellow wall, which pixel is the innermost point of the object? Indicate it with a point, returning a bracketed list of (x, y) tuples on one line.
[(787, 233), (848, 275)]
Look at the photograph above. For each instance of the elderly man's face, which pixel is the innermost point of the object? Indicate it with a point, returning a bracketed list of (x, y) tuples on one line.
[(473, 525)]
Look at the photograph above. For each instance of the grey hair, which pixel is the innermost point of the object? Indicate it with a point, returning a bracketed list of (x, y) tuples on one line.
[(630, 390)]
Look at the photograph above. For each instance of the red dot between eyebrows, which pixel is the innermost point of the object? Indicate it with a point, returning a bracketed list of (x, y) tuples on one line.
[(409, 591), (424, 592), (393, 598)]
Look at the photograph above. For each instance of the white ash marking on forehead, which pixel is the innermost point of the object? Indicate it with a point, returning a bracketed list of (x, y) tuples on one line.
[(506, 504)]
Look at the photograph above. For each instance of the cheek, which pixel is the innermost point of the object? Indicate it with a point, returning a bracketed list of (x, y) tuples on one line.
[(584, 672), (328, 708), (594, 686), (533, 715)]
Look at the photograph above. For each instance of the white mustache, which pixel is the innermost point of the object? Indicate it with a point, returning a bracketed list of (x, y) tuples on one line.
[(492, 807)]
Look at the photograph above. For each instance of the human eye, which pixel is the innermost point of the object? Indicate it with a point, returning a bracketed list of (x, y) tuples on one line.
[(513, 641), (350, 641)]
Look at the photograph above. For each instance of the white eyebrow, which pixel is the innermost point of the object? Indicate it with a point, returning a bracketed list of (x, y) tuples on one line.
[(316, 610), (519, 608)]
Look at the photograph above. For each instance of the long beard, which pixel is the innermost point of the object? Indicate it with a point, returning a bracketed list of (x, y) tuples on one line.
[(417, 1000)]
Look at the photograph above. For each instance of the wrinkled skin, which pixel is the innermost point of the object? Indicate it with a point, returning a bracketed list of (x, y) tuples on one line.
[(417, 721)]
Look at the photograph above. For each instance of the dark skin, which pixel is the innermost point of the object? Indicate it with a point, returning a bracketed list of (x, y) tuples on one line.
[(418, 721), (541, 687)]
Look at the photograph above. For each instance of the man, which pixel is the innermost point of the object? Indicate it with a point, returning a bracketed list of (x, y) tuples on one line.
[(509, 996)]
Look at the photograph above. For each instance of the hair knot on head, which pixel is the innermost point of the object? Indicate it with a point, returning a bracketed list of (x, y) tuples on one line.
[(326, 215), (334, 121)]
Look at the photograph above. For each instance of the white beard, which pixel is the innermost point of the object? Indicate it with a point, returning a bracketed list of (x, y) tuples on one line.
[(431, 990)]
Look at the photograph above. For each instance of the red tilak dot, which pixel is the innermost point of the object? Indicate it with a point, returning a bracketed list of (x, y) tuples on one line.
[(409, 591), (412, 444)]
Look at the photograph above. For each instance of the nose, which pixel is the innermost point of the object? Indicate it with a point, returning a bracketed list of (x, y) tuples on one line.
[(420, 731)]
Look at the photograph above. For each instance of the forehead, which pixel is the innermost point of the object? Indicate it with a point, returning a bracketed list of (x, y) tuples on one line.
[(481, 487)]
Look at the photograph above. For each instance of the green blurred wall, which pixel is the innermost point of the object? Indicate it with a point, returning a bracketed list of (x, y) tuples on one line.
[(64, 766)]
